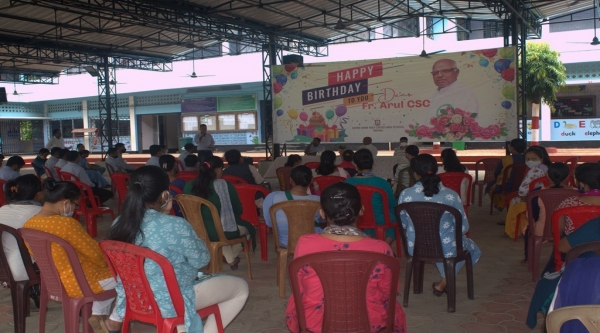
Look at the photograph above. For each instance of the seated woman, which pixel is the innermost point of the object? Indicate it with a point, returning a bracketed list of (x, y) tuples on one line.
[(145, 223), (238, 168), (363, 159), (293, 160), (223, 195), (301, 179), (587, 179), (327, 166), (430, 188), (347, 164), (400, 183), (167, 163), (546, 287), (60, 201), (451, 163), (24, 196), (516, 148), (538, 161), (340, 205)]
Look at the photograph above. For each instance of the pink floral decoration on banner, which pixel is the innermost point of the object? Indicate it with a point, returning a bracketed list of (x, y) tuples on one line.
[(455, 124)]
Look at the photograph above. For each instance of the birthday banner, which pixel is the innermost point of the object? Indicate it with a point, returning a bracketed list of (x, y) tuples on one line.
[(467, 96)]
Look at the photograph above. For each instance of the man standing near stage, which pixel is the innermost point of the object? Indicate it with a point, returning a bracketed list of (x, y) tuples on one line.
[(204, 143)]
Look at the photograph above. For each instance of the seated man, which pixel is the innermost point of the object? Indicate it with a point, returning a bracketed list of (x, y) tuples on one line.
[(39, 162), (192, 163), (120, 161), (83, 155), (73, 167), (52, 161), (155, 153), (314, 147), (368, 144), (62, 159), (517, 148), (94, 174), (11, 170), (188, 150)]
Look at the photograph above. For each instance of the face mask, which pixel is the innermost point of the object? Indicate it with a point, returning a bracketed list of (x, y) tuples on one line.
[(65, 209), (403, 144), (532, 164)]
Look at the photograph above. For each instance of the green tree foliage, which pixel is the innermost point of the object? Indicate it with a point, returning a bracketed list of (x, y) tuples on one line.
[(545, 73)]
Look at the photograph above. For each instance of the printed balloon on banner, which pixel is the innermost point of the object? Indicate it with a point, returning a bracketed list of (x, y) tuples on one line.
[(277, 87), (340, 110), (506, 104), (294, 75), (277, 70), (507, 53), (289, 67), (293, 113), (303, 116), (329, 114), (483, 62), (279, 113), (509, 92), (489, 53), (277, 102), (281, 78), (508, 74), (501, 64)]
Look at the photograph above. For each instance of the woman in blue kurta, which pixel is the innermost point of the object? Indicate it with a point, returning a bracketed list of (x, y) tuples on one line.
[(430, 188), (145, 222), (363, 159)]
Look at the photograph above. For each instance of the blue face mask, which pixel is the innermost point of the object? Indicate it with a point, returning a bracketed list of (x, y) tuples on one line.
[(65, 209)]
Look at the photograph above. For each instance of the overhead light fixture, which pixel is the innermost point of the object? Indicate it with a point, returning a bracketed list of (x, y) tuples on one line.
[(91, 70)]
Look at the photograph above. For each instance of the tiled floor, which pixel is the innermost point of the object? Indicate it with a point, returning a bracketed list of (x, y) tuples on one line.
[(503, 289)]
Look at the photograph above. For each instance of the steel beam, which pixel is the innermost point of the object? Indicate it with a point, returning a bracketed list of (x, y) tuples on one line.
[(271, 54), (107, 102), (27, 78)]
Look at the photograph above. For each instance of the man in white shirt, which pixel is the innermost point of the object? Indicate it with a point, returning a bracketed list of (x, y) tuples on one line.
[(155, 153), (204, 143), (314, 147), (56, 140), (449, 91), (11, 170), (188, 149), (52, 161), (120, 161), (62, 159), (73, 167), (368, 144), (112, 160)]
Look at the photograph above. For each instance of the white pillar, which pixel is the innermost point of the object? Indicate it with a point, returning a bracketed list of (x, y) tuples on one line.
[(132, 124)]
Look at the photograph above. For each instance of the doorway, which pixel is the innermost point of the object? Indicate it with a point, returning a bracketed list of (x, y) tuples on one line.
[(162, 129)]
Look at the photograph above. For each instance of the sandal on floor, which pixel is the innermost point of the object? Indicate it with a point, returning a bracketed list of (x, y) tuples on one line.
[(234, 265), (437, 292)]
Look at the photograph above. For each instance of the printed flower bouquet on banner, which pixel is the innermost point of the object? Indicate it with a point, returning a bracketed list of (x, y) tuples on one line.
[(455, 124)]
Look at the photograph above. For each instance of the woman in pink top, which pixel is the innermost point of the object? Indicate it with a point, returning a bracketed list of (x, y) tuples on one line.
[(341, 206)]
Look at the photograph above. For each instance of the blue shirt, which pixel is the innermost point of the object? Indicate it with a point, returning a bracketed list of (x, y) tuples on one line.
[(282, 223), (174, 238)]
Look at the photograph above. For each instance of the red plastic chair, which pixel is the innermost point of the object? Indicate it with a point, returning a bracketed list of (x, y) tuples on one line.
[(551, 198), (19, 290), (89, 207), (247, 193), (187, 175), (344, 276), (48, 172), (579, 215), (120, 181), (312, 165), (110, 169), (488, 165), (235, 180), (454, 181), (67, 176), (367, 221), (322, 182), (127, 261), (2, 195), (179, 165), (58, 173), (283, 175), (52, 288), (517, 171), (572, 164)]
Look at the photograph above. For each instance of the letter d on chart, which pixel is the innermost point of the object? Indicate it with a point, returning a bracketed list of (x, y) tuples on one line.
[(556, 124)]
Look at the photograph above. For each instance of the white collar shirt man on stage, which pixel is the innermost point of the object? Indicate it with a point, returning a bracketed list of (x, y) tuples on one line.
[(449, 91)]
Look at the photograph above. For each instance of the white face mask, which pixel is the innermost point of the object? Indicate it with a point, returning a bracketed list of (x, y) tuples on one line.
[(403, 144), (532, 164), (70, 213)]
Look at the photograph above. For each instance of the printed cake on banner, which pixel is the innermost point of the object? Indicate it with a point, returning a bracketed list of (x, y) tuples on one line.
[(466, 96)]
